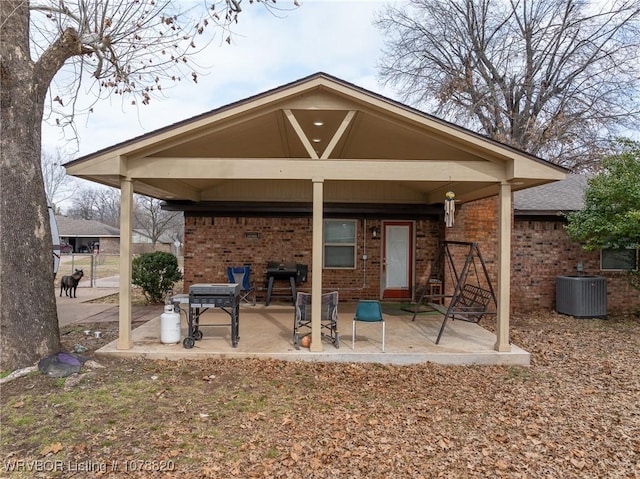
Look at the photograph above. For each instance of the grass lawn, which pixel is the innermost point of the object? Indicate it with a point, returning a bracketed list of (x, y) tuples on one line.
[(104, 265), (574, 413)]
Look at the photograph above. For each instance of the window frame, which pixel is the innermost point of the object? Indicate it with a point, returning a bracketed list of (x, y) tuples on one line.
[(353, 245), (603, 261)]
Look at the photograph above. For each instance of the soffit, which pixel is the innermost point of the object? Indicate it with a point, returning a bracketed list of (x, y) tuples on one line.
[(367, 148)]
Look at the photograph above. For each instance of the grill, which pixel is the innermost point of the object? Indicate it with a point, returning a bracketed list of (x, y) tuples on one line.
[(204, 296), (281, 271), (213, 295)]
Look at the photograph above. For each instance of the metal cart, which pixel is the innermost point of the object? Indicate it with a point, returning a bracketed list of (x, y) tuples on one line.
[(204, 296)]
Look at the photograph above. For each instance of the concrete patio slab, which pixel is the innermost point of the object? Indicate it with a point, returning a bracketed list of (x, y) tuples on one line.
[(267, 332)]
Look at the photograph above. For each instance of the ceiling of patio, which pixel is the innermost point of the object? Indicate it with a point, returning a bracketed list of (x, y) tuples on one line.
[(365, 148)]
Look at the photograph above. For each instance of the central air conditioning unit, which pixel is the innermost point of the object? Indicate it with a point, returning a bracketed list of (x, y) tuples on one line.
[(582, 296)]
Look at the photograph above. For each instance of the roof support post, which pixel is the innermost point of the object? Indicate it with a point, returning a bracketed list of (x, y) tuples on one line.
[(504, 269), (126, 231), (316, 266)]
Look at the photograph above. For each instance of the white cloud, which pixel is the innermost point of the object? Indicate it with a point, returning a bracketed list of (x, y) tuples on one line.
[(333, 36)]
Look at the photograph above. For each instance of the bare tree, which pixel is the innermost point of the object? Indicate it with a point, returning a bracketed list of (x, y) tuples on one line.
[(555, 78), (103, 204), (83, 204), (107, 206), (152, 220), (128, 48), (96, 203), (58, 186)]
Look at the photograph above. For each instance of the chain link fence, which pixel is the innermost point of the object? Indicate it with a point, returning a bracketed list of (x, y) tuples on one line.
[(100, 270)]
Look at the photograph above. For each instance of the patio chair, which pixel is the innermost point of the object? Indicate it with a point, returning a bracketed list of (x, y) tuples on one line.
[(367, 311), (242, 276), (328, 320)]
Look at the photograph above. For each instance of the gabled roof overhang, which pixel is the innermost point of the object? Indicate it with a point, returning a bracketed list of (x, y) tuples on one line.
[(268, 148)]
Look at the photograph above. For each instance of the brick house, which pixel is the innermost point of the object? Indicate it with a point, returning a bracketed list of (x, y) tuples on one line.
[(85, 236), (322, 173), (540, 247), (542, 250)]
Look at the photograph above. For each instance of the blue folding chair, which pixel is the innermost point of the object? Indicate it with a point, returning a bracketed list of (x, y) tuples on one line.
[(242, 276), (368, 311)]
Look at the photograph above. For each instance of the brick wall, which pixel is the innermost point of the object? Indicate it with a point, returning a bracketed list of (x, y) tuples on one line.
[(540, 252), (213, 244), (110, 245), (476, 222)]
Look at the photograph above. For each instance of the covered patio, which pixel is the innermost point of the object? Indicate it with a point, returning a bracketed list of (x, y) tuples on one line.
[(406, 342), (316, 147)]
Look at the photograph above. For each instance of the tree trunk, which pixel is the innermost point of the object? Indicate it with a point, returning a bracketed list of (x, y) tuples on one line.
[(29, 320)]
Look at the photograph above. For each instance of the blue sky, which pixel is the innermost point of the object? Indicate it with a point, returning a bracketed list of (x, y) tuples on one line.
[(332, 36)]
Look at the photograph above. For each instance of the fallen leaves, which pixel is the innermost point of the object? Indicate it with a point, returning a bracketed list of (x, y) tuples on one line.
[(51, 449), (572, 414)]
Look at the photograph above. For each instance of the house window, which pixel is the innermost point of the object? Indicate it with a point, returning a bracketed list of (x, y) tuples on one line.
[(339, 243), (619, 259)]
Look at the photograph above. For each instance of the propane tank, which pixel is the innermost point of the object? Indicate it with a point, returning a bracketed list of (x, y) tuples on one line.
[(169, 323)]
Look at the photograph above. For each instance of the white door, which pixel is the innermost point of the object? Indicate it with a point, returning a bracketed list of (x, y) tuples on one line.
[(397, 259)]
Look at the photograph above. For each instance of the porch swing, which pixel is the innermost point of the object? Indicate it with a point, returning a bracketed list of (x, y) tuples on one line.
[(473, 293)]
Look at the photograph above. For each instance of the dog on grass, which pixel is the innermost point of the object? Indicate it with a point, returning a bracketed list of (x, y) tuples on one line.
[(69, 284)]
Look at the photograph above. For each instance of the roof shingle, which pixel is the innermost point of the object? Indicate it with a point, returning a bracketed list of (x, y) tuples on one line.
[(73, 227), (564, 195)]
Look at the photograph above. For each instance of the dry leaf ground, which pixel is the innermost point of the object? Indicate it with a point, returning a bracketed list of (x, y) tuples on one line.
[(574, 413)]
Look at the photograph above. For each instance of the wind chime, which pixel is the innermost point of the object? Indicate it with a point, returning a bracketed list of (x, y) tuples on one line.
[(449, 208)]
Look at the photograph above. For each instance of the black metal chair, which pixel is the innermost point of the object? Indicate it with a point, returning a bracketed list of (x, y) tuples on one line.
[(328, 319)]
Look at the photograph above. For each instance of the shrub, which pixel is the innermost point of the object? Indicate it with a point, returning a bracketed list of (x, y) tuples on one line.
[(155, 273)]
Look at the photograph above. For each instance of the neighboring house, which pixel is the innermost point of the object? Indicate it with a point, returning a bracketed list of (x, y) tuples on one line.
[(328, 175), (142, 243), (90, 236)]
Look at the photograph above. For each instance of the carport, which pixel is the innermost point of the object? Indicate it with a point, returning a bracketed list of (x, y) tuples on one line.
[(318, 141)]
